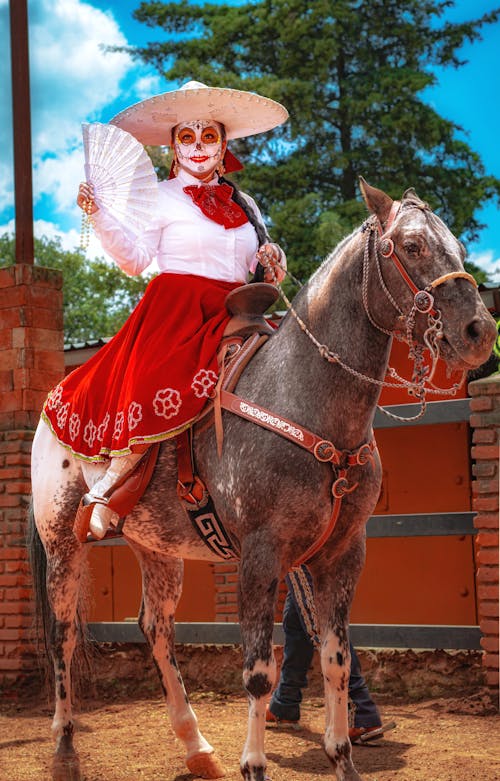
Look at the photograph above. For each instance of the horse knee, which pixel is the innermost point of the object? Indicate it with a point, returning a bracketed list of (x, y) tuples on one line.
[(335, 667), (257, 684), (259, 681)]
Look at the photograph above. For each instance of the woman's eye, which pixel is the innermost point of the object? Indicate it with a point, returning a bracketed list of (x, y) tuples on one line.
[(210, 136), (185, 137)]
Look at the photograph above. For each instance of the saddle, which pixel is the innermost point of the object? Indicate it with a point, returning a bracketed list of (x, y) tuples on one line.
[(247, 327)]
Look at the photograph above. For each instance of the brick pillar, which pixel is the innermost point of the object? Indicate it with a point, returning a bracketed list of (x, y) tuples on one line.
[(226, 600), (31, 362), (485, 423)]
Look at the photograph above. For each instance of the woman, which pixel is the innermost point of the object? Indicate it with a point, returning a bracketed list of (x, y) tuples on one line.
[(152, 379)]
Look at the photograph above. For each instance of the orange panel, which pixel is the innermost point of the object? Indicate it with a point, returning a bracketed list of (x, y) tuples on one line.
[(399, 361), (102, 592), (127, 584), (426, 469), (118, 588), (417, 580), (197, 602)]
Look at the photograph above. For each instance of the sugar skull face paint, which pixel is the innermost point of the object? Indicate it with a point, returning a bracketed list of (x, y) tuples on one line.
[(199, 146)]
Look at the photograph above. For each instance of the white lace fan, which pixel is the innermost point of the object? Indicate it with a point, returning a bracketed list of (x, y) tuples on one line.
[(121, 173)]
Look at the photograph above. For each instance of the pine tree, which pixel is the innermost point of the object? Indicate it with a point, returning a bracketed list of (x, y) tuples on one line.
[(351, 74)]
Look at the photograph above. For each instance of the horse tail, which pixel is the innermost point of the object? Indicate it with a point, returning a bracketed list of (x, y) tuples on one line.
[(43, 617)]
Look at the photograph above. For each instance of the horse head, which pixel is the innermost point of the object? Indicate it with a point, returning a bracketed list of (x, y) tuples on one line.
[(422, 290)]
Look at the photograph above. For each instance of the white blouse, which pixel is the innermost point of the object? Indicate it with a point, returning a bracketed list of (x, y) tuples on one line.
[(182, 238)]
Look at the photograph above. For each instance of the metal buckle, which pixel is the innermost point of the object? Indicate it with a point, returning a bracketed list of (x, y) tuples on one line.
[(424, 302), (325, 451), (364, 454), (386, 248), (341, 487)]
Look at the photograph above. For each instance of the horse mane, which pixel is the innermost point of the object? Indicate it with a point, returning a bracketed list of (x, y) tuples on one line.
[(411, 200)]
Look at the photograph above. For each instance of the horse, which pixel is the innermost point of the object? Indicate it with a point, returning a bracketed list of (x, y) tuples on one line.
[(400, 273)]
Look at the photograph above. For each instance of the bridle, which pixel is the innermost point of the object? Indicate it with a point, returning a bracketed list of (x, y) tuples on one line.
[(423, 303), (423, 300)]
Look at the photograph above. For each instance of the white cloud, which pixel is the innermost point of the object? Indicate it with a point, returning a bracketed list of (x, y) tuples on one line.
[(7, 188), (8, 227), (72, 80), (72, 77), (147, 86), (59, 177), (489, 262)]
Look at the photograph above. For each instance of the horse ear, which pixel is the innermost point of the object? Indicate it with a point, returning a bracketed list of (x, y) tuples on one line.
[(410, 193), (376, 200)]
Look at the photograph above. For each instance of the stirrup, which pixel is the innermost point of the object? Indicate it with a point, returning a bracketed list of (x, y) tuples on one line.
[(83, 516)]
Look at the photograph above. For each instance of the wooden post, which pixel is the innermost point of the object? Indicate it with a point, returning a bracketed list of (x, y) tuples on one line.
[(21, 124)]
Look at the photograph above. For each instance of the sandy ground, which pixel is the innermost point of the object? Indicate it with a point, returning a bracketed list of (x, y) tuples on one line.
[(124, 735)]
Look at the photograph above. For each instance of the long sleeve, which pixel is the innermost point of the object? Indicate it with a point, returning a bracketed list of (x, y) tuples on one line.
[(132, 253)]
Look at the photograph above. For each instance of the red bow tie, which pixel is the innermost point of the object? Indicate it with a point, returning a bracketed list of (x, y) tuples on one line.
[(215, 202)]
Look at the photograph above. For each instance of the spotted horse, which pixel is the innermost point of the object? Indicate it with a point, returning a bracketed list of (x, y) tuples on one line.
[(399, 274)]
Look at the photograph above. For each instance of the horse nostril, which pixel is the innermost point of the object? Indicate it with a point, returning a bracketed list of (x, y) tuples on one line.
[(473, 329)]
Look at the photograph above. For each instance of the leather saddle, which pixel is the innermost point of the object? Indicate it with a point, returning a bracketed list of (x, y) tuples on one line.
[(247, 305)]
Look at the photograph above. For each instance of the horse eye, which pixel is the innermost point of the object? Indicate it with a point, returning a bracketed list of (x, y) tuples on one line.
[(411, 248)]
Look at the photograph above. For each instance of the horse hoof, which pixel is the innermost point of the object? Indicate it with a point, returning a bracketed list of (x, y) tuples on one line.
[(66, 769), (205, 765)]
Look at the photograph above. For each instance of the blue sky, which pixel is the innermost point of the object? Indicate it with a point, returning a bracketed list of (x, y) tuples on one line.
[(74, 81)]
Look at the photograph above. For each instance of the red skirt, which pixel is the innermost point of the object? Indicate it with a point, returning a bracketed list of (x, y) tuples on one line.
[(152, 379)]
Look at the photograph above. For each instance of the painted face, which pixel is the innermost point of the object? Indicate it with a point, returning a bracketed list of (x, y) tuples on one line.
[(199, 147)]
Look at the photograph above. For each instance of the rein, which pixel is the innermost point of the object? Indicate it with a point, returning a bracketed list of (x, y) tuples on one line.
[(423, 303)]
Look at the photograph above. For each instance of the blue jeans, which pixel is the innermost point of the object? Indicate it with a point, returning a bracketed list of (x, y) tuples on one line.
[(297, 657)]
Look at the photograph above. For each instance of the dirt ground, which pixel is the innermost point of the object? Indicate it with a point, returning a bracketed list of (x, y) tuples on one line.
[(124, 735)]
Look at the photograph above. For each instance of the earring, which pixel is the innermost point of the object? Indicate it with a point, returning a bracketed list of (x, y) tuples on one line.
[(175, 167)]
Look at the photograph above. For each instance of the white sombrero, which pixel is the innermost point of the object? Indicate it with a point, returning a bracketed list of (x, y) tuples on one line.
[(241, 113)]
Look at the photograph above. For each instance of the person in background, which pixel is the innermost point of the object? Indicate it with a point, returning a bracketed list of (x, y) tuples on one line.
[(298, 652)]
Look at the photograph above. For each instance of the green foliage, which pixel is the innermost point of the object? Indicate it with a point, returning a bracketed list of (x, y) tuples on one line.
[(496, 346), (98, 296), (351, 74)]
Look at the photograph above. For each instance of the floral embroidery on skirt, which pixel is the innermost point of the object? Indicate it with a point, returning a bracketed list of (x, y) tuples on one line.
[(152, 379)]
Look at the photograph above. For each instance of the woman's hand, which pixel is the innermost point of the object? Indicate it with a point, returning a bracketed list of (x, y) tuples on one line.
[(85, 198), (273, 259)]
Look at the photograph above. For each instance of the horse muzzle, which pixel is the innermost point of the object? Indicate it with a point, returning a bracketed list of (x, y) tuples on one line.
[(472, 345)]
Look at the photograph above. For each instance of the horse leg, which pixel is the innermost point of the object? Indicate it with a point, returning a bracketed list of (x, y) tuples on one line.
[(63, 581), (258, 585), (57, 561), (333, 609), (161, 590)]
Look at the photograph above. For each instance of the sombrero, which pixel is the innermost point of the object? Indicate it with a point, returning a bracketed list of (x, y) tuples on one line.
[(242, 113)]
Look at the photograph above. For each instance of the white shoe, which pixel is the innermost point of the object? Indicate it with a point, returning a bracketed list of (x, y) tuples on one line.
[(101, 519), (102, 516)]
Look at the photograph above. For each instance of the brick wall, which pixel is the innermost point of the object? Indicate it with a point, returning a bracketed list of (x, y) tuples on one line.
[(485, 423), (226, 578), (226, 600), (31, 362)]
